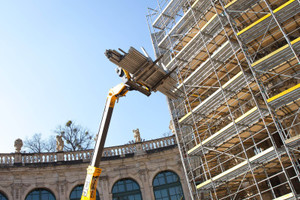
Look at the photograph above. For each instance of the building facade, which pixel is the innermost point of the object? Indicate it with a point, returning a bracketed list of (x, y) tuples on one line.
[(144, 170), (236, 111)]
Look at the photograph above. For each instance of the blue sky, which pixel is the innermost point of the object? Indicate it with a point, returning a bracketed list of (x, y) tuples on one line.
[(53, 68)]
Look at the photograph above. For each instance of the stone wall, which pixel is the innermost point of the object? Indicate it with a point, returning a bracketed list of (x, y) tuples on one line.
[(60, 177)]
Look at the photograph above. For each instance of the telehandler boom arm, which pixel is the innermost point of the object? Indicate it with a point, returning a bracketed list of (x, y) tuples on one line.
[(139, 73), (93, 171)]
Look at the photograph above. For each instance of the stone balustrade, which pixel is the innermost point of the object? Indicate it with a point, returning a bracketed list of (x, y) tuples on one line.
[(159, 143), (7, 159), (85, 155)]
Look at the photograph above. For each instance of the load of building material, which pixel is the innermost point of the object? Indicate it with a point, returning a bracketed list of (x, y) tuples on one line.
[(143, 70)]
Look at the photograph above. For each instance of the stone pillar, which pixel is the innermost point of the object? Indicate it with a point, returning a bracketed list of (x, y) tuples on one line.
[(147, 185), (18, 146), (62, 185), (18, 158), (104, 187), (17, 191), (139, 149), (18, 188), (62, 189), (60, 156)]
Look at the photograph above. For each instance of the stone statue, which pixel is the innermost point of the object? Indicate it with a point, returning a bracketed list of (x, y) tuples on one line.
[(18, 145), (136, 135), (59, 143), (171, 127)]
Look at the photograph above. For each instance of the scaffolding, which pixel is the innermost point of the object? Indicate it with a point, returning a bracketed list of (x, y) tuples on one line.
[(236, 71)]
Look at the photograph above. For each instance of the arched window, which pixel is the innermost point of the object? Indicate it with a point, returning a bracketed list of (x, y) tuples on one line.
[(3, 197), (126, 189), (40, 194), (77, 192), (167, 186)]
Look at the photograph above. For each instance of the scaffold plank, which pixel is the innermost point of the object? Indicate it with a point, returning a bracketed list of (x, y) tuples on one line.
[(185, 23), (277, 57), (233, 86), (240, 169), (187, 52), (256, 29), (214, 24), (222, 54), (143, 70), (285, 97), (239, 6), (210, 84), (288, 196), (212, 27), (229, 131), (168, 14), (293, 141)]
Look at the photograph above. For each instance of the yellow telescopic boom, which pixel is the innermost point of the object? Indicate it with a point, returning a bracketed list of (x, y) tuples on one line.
[(139, 73), (93, 171)]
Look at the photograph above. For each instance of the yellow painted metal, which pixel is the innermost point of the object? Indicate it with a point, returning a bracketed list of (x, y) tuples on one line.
[(204, 183), (89, 193), (194, 148), (230, 3), (255, 23), (127, 74), (223, 129), (177, 55), (192, 40), (184, 117), (233, 78), (283, 93), (224, 86), (215, 178), (265, 17), (283, 5), (246, 114), (194, 4), (93, 173), (115, 93), (275, 52), (269, 55), (230, 124), (286, 196), (209, 21)]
